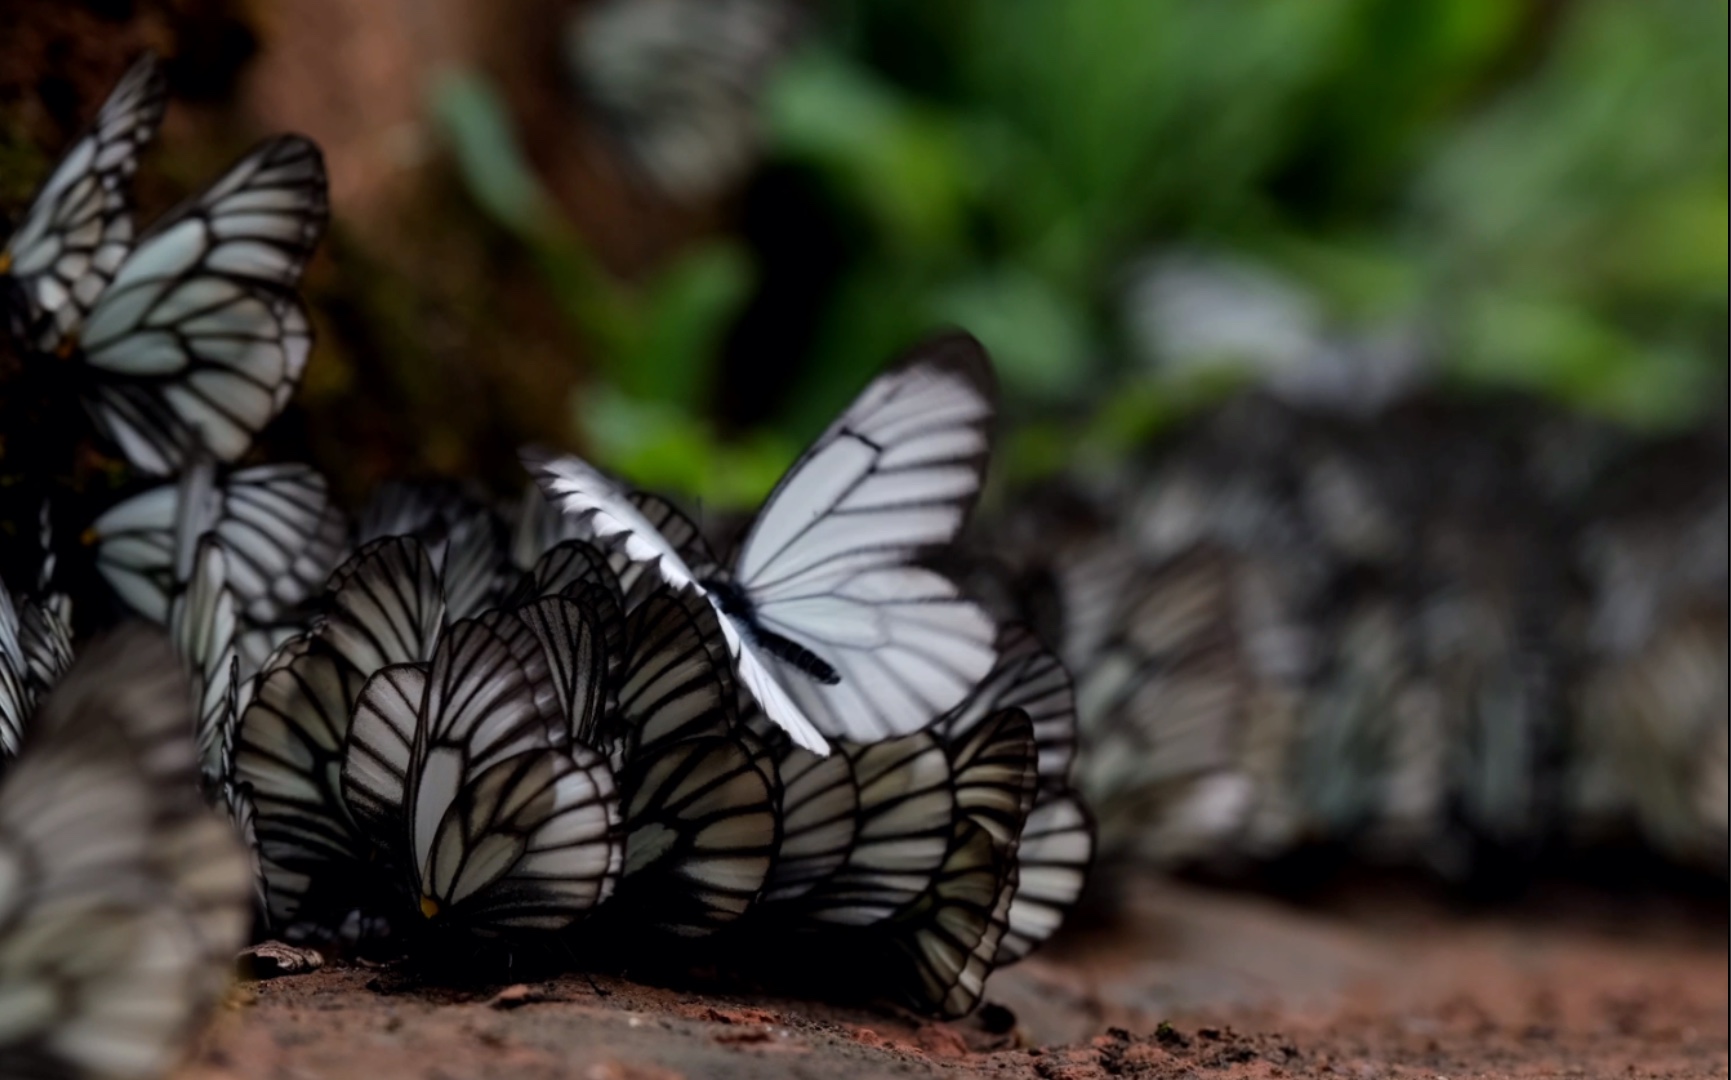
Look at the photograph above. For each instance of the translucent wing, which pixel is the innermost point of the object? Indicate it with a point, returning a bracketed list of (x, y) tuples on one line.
[(950, 940), (380, 752), (137, 898), (676, 683), (529, 843), (833, 562), (79, 229), (1029, 677), (35, 650), (597, 507), (199, 341), (701, 833), (906, 809), (820, 815), (288, 762), (1052, 862), (574, 650), (387, 606), (464, 537), (478, 709), (281, 534), (995, 772), (202, 623)]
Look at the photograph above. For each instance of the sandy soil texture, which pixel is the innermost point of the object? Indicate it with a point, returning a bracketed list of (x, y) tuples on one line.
[(1186, 983)]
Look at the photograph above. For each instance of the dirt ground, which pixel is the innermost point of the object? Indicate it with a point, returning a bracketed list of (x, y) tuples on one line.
[(1188, 982)]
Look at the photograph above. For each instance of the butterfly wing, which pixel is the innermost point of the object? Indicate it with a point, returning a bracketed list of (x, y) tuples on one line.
[(137, 897), (605, 513), (79, 229), (1052, 862), (529, 843), (199, 339), (833, 561)]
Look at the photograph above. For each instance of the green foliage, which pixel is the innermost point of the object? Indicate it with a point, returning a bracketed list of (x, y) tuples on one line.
[(1548, 193), (1542, 187)]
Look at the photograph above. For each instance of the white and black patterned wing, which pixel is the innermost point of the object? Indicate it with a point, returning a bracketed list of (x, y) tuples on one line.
[(1052, 863), (379, 753), (604, 513), (478, 709), (386, 608), (951, 939), (118, 941), (529, 843), (820, 816), (880, 644), (573, 651), (281, 532), (677, 682), (995, 770), (1029, 677), (35, 650), (677, 83), (202, 622), (288, 763), (79, 229), (701, 832), (907, 807), (199, 340)]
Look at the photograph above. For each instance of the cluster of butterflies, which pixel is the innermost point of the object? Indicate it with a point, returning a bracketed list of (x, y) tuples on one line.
[(461, 729), (1444, 637)]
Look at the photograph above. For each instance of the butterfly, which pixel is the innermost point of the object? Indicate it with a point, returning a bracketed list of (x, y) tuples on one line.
[(384, 606), (697, 792), (677, 83), (899, 858), (79, 229), (835, 625), (467, 540), (118, 942), (498, 820), (279, 533), (191, 338), (1055, 846)]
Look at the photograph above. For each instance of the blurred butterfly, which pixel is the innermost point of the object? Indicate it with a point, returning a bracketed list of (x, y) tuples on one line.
[(35, 651), (835, 626), (118, 940), (192, 336), (677, 82)]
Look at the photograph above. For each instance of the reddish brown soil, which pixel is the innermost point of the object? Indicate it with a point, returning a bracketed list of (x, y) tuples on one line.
[(1188, 983)]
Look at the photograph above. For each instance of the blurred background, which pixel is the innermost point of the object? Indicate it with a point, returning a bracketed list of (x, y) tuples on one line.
[(1364, 361)]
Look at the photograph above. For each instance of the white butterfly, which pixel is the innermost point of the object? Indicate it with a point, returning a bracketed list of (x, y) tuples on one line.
[(125, 898), (191, 339), (79, 229), (835, 626)]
